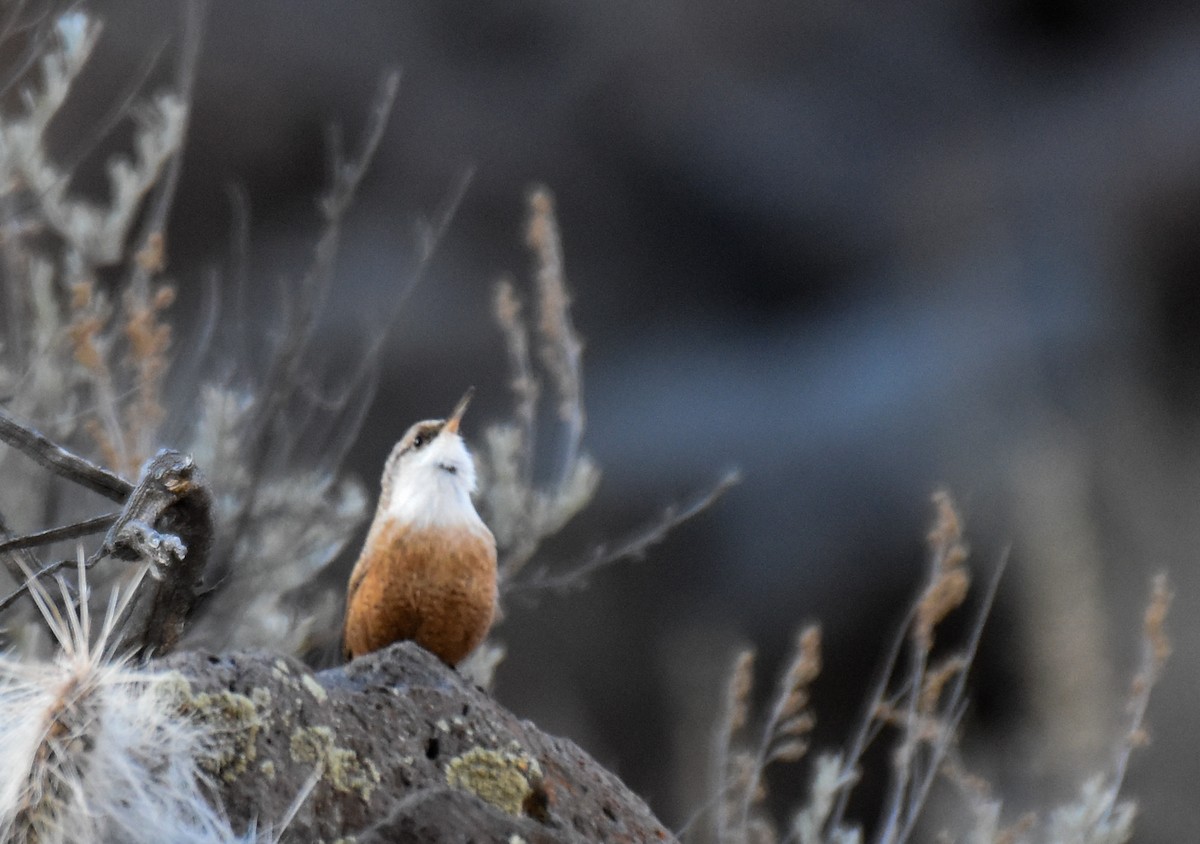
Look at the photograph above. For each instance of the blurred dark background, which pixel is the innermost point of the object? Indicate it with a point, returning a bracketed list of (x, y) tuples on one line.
[(859, 250)]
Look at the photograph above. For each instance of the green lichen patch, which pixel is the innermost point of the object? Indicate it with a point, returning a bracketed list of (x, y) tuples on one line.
[(230, 723), (342, 767), (503, 779)]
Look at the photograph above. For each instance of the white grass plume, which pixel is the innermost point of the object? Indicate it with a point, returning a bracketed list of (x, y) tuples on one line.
[(95, 750)]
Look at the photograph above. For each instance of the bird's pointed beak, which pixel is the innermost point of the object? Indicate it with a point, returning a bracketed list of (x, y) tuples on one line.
[(452, 423)]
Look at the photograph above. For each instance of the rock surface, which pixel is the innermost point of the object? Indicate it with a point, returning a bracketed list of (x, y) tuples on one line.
[(401, 749)]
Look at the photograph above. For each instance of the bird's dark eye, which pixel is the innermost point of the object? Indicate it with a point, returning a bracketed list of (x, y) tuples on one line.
[(424, 436)]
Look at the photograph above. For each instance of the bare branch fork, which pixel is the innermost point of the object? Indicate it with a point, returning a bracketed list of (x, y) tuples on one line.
[(165, 522)]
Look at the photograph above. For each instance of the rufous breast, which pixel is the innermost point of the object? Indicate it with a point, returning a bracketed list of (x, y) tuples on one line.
[(433, 584)]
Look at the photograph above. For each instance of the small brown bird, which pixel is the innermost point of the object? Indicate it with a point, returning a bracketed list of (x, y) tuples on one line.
[(428, 569)]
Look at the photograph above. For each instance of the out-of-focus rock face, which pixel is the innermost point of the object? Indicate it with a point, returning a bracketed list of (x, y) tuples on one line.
[(406, 750)]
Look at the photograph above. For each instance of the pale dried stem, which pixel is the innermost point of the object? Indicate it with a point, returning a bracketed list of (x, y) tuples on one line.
[(162, 195), (633, 547), (945, 590), (734, 714), (525, 386), (561, 349), (1156, 649), (954, 707), (790, 701)]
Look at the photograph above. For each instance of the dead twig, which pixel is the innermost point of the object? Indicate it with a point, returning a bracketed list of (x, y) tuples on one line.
[(634, 546), (284, 377), (57, 459), (26, 588), (87, 527), (165, 522)]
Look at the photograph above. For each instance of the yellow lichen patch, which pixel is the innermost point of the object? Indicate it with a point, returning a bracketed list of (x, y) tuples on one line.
[(314, 688), (503, 779), (342, 767), (230, 721)]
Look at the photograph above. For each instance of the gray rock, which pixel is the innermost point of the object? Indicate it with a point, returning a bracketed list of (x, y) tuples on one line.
[(402, 748)]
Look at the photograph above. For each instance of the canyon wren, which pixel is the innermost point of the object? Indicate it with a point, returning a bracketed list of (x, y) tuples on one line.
[(427, 571)]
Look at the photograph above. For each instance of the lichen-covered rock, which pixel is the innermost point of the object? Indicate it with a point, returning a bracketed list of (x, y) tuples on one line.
[(401, 748)]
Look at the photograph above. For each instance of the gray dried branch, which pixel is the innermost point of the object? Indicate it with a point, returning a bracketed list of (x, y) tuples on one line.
[(258, 424), (86, 527), (728, 781), (62, 462), (166, 523), (283, 378), (576, 575), (16, 559), (921, 729)]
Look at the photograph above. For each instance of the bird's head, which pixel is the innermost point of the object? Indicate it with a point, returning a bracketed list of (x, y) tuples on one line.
[(430, 475)]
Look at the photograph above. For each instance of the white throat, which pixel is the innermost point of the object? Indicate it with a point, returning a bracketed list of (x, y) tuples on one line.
[(432, 486)]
